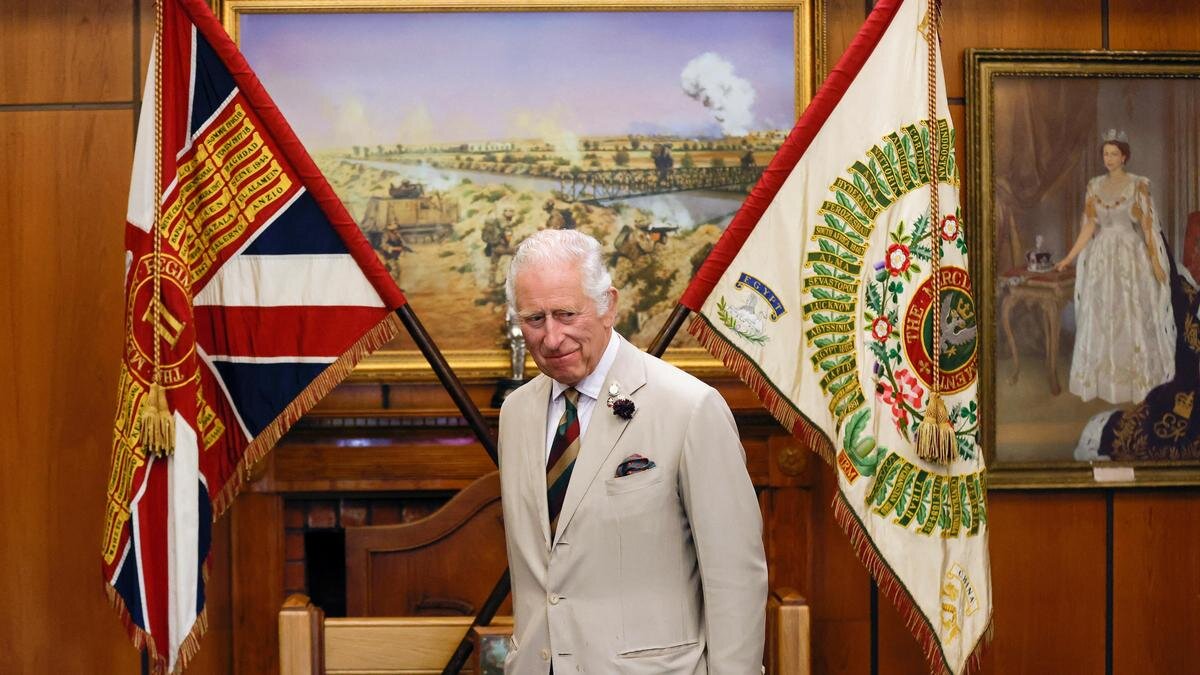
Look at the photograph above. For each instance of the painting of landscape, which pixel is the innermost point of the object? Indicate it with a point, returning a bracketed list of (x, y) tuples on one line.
[(451, 136)]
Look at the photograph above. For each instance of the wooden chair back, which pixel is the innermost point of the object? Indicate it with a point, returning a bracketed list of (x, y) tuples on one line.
[(310, 644), (442, 565)]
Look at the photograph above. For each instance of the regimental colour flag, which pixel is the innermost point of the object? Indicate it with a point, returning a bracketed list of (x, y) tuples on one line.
[(820, 295), (250, 293)]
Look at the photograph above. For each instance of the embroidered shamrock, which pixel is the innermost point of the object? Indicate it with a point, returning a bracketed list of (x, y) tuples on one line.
[(622, 407)]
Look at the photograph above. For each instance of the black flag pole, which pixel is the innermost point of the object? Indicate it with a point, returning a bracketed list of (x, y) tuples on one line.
[(483, 433), (668, 331), (449, 380)]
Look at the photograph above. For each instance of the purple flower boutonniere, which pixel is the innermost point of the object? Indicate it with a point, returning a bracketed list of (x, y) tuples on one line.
[(622, 407)]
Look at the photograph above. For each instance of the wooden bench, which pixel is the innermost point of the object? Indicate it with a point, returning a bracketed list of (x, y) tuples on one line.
[(310, 644)]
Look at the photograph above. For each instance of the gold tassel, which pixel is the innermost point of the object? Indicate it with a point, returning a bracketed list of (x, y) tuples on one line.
[(158, 424), (936, 441)]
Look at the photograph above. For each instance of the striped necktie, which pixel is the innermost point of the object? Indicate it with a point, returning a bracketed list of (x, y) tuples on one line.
[(563, 451)]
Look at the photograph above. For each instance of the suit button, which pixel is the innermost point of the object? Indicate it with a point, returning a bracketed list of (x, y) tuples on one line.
[(545, 654), (554, 598)]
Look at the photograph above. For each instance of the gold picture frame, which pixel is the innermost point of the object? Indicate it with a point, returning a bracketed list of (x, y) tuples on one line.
[(1036, 122), (476, 357)]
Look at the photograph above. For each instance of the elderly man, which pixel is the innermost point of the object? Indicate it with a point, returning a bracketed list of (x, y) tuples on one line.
[(634, 535)]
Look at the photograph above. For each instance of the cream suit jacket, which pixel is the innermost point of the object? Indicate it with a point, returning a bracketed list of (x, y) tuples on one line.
[(660, 571)]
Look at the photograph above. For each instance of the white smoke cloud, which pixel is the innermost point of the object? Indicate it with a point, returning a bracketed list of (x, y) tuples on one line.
[(710, 79), (550, 129), (669, 210)]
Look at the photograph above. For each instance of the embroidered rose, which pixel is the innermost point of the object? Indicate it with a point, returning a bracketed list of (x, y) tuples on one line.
[(908, 390), (898, 259), (950, 227), (881, 329)]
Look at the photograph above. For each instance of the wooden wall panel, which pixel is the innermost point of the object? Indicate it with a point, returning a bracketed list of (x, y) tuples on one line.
[(216, 647), (1156, 581), (899, 653), (841, 593), (1154, 24), (1025, 24), (257, 556), (843, 18), (66, 51), (1048, 581), (62, 203)]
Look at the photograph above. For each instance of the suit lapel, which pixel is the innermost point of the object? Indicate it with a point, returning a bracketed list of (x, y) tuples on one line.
[(533, 443), (603, 432)]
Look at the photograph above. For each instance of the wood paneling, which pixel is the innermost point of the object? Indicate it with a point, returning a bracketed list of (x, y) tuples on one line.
[(257, 582), (1048, 581), (1156, 581), (1013, 24), (841, 594), (1154, 24), (899, 653), (216, 646), (843, 18), (62, 205), (66, 51)]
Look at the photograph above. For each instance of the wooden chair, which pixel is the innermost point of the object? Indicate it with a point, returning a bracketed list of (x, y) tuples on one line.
[(310, 644), (417, 586)]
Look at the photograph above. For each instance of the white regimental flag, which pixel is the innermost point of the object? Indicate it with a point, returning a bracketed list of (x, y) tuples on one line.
[(819, 296)]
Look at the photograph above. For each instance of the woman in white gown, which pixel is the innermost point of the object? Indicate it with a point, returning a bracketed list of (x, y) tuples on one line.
[(1124, 329)]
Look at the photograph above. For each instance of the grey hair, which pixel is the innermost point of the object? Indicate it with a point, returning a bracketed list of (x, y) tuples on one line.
[(547, 247)]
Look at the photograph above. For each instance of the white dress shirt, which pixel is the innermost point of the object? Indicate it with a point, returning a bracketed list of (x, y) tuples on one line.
[(589, 393)]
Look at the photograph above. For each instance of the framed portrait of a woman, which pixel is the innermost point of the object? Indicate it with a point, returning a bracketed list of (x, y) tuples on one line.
[(1084, 196)]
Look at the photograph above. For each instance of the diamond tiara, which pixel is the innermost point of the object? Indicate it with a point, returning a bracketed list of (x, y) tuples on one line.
[(1114, 135)]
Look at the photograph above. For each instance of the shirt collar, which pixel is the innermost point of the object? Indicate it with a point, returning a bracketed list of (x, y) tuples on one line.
[(590, 385)]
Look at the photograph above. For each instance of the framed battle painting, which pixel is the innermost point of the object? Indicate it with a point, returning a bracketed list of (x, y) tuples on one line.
[(1084, 205), (452, 130)]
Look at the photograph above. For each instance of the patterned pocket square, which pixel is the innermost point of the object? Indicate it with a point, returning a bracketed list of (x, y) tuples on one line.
[(633, 464)]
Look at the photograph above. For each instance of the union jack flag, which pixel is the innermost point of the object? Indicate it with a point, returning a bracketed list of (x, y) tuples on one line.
[(267, 295)]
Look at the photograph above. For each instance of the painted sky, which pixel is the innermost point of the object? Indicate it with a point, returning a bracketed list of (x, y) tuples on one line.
[(413, 78)]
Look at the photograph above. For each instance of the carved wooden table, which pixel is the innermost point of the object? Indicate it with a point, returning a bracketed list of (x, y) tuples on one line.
[(1045, 294)]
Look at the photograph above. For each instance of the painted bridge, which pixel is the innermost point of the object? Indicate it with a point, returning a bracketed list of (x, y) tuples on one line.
[(598, 186)]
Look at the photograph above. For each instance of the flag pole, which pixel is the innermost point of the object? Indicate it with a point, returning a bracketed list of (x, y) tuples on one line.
[(483, 618), (483, 434), (668, 331), (449, 380)]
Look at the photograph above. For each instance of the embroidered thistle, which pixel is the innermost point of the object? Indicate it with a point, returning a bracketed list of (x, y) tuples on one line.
[(621, 406)]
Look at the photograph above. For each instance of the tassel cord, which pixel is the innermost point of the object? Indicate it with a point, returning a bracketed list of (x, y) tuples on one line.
[(936, 441)]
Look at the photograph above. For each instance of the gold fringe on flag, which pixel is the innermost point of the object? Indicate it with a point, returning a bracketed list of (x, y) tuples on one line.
[(891, 587), (775, 402)]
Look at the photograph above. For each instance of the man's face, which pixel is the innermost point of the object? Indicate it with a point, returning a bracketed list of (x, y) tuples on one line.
[(562, 328)]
